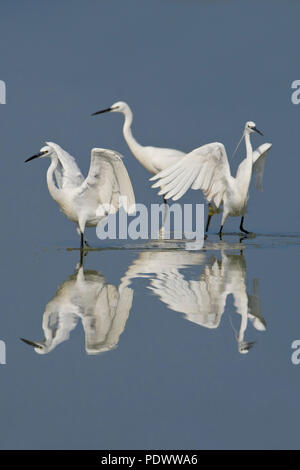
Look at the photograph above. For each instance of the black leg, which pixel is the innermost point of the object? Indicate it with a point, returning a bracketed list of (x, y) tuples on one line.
[(165, 201), (220, 232), (241, 226), (81, 240), (210, 214), (207, 223)]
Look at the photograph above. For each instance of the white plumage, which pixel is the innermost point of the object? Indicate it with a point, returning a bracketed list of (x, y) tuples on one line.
[(102, 308), (202, 301), (87, 201), (154, 159), (207, 168)]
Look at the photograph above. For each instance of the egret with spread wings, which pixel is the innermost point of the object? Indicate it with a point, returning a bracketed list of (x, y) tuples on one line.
[(85, 296), (207, 168), (202, 300), (88, 201)]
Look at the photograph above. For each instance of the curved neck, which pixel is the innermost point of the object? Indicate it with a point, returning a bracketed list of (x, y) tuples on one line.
[(244, 177), (134, 146), (53, 190), (249, 152)]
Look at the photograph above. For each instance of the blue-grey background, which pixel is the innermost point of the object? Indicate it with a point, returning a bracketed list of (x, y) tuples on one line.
[(193, 71)]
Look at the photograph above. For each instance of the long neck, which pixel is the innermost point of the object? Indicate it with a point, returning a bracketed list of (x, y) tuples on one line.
[(134, 146), (53, 190), (244, 177)]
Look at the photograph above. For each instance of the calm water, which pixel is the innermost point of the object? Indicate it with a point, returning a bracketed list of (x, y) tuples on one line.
[(149, 345), (152, 346)]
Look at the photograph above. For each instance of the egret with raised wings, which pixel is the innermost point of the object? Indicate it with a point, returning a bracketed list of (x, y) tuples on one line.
[(201, 300), (85, 296), (207, 168), (154, 159), (88, 201)]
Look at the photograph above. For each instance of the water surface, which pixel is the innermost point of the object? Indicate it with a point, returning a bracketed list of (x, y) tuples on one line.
[(150, 345)]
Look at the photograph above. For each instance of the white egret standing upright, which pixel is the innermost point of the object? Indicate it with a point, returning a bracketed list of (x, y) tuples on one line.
[(207, 168), (154, 159), (88, 201)]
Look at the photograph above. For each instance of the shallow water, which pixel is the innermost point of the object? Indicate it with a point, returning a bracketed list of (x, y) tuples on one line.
[(150, 345)]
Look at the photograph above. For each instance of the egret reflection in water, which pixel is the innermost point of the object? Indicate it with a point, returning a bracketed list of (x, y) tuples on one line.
[(202, 301), (102, 308)]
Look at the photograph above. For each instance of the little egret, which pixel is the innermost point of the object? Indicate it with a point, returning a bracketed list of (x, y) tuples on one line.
[(88, 201), (207, 168), (201, 300), (85, 296), (154, 159)]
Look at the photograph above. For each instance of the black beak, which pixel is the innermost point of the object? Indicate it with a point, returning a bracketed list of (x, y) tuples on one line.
[(35, 156), (102, 111), (31, 343), (256, 130)]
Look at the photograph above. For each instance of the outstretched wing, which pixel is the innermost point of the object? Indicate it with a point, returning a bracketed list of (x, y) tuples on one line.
[(108, 177), (204, 168), (254, 308), (106, 322), (67, 173), (259, 160), (202, 302)]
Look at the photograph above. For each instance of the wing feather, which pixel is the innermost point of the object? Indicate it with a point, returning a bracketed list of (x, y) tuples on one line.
[(109, 178), (204, 168), (67, 173), (259, 160), (184, 187)]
